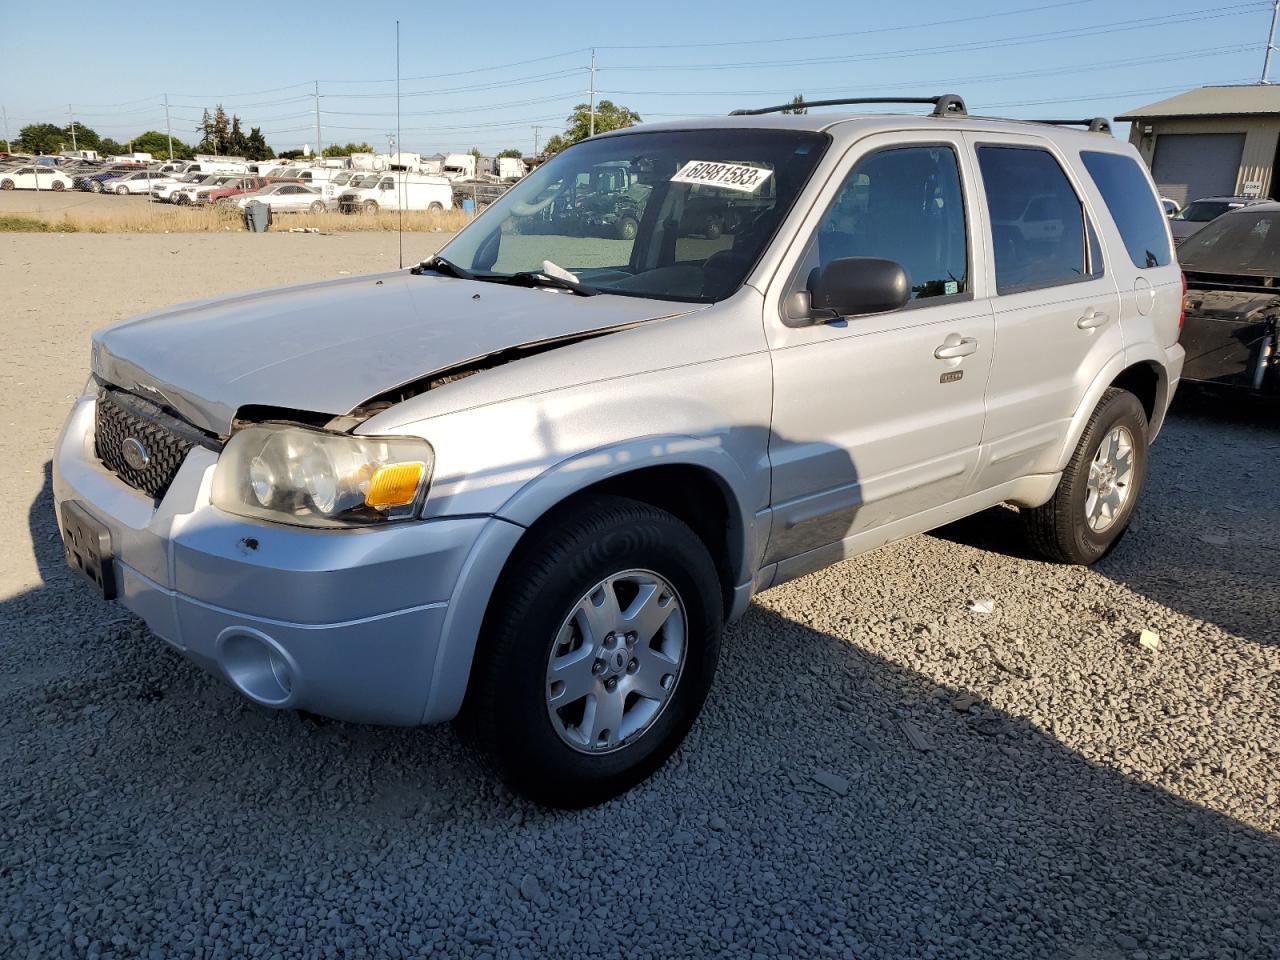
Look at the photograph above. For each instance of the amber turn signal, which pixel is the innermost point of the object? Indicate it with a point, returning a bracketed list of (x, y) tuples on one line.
[(394, 485)]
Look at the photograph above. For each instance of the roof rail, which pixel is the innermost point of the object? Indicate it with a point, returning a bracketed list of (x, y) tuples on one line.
[(1095, 124), (946, 105)]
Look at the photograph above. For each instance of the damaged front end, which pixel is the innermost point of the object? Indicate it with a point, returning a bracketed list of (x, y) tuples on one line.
[(1231, 333)]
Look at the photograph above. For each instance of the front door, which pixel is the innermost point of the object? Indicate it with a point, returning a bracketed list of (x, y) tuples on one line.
[(879, 418)]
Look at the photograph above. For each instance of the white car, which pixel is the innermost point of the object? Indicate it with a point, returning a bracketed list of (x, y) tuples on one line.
[(286, 198), (188, 192), (141, 181), (165, 190), (34, 178)]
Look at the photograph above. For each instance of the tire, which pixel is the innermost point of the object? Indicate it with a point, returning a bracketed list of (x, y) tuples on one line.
[(122, 191), (7, 184), (58, 186), (1062, 530), (369, 206), (627, 228), (317, 207), (95, 186), (434, 207), (568, 560)]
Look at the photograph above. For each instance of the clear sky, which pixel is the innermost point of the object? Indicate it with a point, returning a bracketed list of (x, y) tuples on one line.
[(483, 75)]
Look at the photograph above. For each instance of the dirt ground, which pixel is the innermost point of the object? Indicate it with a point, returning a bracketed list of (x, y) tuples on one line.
[(50, 203)]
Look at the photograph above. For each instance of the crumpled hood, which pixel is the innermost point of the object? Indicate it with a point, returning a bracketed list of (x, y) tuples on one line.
[(328, 347)]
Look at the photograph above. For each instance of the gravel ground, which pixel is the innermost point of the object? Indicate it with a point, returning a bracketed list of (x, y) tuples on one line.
[(880, 771)]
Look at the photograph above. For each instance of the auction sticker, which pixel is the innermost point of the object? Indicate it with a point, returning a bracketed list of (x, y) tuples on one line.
[(730, 176)]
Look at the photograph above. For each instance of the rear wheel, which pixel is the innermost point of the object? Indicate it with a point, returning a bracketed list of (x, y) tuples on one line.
[(1099, 489), (317, 206), (95, 186), (58, 186), (434, 207), (121, 190), (370, 206), (627, 228), (598, 652), (7, 184)]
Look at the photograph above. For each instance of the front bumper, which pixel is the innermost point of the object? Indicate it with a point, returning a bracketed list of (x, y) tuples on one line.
[(345, 623)]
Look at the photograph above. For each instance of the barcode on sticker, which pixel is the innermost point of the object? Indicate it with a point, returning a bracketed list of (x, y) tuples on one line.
[(730, 176)]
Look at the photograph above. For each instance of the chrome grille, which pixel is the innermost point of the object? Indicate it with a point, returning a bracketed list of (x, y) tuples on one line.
[(159, 440)]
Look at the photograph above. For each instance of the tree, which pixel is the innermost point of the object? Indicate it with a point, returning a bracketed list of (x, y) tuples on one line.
[(156, 143), (345, 149), (237, 145), (512, 152), (475, 152), (797, 105), (256, 147), (42, 138), (290, 154), (554, 145), (205, 130), (221, 129), (111, 148), (608, 116)]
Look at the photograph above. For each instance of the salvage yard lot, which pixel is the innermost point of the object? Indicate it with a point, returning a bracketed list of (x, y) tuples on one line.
[(879, 772)]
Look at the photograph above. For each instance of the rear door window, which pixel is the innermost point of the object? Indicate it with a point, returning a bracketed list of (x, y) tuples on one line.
[(1127, 193), (1037, 221)]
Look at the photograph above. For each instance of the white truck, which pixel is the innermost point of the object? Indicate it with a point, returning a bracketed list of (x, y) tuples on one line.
[(458, 166), (509, 168), (397, 191)]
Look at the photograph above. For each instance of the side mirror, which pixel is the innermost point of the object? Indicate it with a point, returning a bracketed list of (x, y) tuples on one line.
[(852, 286)]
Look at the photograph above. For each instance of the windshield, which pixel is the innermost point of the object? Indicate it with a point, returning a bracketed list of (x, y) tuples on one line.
[(678, 215), (1202, 211), (369, 180), (1242, 243)]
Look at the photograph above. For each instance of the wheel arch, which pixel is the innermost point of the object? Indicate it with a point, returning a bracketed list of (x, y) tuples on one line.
[(702, 485), (1143, 376)]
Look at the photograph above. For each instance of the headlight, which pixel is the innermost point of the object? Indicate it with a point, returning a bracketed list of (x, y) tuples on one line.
[(317, 479)]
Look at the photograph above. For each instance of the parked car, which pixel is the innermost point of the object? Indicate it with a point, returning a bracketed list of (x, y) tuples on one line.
[(286, 198), (165, 190), (93, 182), (531, 478), (395, 191), (190, 193), (34, 177), (1197, 213), (138, 182), (1232, 328), (230, 190)]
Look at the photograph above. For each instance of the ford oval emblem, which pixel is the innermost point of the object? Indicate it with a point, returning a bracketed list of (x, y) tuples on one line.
[(135, 454)]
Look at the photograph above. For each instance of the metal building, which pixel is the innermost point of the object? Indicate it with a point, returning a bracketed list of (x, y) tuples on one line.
[(1215, 141)]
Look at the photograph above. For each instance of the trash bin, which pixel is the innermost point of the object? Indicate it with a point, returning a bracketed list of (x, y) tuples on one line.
[(257, 216), (468, 206)]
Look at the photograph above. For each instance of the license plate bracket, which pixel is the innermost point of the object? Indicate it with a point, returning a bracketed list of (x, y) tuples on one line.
[(88, 548)]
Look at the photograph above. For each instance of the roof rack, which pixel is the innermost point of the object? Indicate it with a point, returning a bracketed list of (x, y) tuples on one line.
[(1095, 124), (947, 105)]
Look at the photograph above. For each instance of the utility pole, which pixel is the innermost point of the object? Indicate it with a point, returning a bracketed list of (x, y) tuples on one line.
[(593, 87), (8, 147), (536, 131), (1271, 42), (73, 123), (318, 145), (167, 127)]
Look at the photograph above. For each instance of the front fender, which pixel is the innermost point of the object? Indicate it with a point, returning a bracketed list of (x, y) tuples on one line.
[(498, 539)]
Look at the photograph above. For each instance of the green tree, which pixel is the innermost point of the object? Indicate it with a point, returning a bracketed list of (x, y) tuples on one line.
[(475, 152), (42, 138), (109, 147), (237, 145), (345, 149), (205, 129), (86, 138), (156, 143), (554, 145), (797, 105), (512, 152), (290, 154), (608, 116), (221, 129), (256, 145)]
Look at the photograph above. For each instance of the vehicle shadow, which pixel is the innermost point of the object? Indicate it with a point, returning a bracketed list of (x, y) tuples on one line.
[(831, 801), (1212, 521)]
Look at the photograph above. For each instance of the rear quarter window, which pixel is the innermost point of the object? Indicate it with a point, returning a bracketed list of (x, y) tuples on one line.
[(1127, 194)]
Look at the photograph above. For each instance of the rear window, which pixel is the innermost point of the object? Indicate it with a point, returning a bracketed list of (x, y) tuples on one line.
[(1128, 196)]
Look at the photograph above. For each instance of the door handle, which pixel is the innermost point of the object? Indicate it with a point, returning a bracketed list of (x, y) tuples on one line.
[(955, 348), (1093, 318)]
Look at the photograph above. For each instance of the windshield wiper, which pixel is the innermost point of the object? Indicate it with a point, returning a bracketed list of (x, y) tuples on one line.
[(537, 278), (441, 265)]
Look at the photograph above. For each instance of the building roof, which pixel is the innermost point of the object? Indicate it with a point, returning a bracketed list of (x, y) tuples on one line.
[(1229, 101)]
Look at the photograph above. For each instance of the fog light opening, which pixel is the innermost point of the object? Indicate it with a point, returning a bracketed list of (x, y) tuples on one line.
[(257, 666)]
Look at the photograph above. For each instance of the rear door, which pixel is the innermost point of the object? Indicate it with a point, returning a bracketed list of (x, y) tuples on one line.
[(1057, 309), (879, 418)]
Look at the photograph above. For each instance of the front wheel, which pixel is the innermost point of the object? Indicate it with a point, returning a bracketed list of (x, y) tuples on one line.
[(370, 206), (435, 207), (1096, 497), (627, 228), (95, 186), (598, 652), (121, 191)]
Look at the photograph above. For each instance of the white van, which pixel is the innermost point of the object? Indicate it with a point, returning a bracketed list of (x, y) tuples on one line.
[(415, 191)]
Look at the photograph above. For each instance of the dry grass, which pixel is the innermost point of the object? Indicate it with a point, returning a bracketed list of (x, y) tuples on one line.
[(168, 218)]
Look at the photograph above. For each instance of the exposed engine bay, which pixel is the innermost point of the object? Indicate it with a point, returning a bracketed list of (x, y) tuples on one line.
[(1231, 334)]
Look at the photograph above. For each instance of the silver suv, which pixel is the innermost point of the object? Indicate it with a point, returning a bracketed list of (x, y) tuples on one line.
[(529, 480)]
